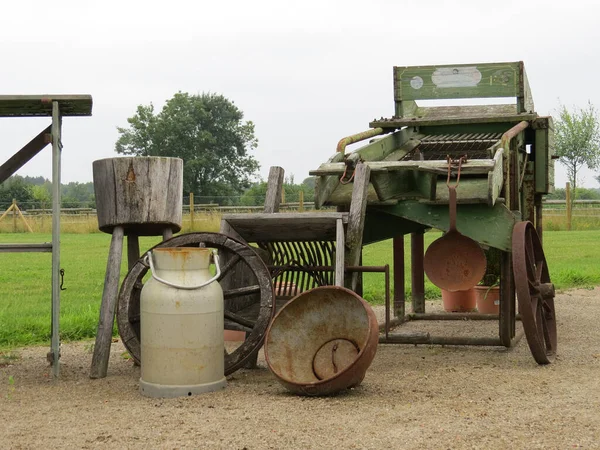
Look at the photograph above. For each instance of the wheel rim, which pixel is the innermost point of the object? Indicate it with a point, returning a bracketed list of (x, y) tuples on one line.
[(535, 292), (128, 310)]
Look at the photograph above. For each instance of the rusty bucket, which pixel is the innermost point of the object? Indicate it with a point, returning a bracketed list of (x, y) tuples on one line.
[(322, 341)]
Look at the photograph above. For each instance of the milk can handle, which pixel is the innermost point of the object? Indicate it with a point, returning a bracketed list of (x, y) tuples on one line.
[(148, 259)]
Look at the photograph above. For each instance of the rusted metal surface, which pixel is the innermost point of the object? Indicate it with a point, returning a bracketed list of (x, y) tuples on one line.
[(535, 293), (454, 262), (322, 341), (512, 133), (439, 146), (341, 147)]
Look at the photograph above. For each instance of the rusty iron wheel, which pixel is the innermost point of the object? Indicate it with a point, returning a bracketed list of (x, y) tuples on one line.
[(236, 254), (535, 292)]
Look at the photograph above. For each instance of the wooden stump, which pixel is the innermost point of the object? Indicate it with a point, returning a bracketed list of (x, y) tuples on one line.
[(141, 194)]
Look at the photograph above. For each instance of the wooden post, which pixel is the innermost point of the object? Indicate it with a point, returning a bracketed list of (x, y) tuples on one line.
[(340, 246), (14, 214), (301, 201), (399, 280), (107, 308), (10, 208), (356, 221), (282, 195), (417, 247), (23, 218), (569, 206), (191, 211), (274, 189), (133, 249), (506, 322)]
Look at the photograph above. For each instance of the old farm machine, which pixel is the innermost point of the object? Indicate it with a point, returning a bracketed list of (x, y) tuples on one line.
[(495, 160)]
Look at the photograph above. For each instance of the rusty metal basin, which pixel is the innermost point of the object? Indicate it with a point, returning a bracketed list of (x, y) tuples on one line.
[(322, 341)]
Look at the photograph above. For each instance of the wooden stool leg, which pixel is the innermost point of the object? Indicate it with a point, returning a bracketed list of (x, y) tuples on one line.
[(133, 250), (167, 234), (107, 308)]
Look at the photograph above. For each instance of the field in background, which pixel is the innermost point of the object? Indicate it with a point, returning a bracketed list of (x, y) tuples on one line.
[(585, 216), (573, 259)]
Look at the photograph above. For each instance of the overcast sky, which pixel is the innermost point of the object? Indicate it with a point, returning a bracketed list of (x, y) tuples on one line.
[(306, 73)]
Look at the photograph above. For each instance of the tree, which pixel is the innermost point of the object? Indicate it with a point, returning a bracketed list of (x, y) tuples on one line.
[(577, 140), (15, 188), (207, 131)]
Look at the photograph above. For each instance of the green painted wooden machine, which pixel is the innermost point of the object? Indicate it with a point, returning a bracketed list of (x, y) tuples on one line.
[(504, 154)]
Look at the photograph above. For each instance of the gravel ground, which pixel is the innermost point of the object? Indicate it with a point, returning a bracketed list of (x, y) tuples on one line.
[(413, 397)]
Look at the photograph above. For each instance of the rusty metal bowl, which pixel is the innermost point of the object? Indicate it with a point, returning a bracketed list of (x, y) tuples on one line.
[(322, 341)]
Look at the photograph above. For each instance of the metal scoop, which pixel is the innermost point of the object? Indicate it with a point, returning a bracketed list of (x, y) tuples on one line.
[(454, 262)]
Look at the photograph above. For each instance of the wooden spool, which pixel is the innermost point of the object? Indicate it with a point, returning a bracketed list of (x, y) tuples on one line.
[(141, 194)]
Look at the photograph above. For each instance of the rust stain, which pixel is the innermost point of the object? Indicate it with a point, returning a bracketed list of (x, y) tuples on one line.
[(130, 174)]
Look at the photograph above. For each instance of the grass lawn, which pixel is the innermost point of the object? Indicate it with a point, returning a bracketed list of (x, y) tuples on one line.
[(25, 298)]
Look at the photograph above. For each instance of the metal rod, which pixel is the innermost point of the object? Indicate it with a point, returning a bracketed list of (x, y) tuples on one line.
[(56, 154), (452, 316), (341, 147), (426, 338)]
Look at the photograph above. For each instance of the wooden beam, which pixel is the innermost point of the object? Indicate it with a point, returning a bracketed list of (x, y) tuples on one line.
[(274, 188), (356, 221), (340, 247), (19, 159), (474, 166), (41, 105), (107, 308)]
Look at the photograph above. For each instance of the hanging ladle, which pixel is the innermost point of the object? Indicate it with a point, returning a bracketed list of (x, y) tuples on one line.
[(454, 262)]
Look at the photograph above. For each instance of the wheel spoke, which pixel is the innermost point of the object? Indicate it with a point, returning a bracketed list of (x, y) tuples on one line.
[(539, 267), (246, 323), (247, 290), (546, 333), (228, 266)]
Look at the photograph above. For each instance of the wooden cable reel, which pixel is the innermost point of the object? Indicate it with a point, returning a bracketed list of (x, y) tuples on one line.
[(235, 255)]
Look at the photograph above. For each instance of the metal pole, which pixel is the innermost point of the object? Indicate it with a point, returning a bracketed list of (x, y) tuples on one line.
[(56, 153)]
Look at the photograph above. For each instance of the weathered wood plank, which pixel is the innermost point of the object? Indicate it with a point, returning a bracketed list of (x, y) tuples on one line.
[(458, 81), (495, 178), (470, 190), (325, 185), (356, 221), (457, 115), (108, 305), (274, 187), (488, 226), (473, 166), (41, 105), (20, 158), (263, 227), (340, 246)]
